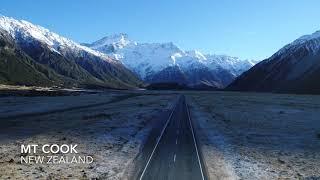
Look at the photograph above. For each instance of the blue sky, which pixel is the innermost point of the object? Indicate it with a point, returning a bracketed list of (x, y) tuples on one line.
[(253, 29)]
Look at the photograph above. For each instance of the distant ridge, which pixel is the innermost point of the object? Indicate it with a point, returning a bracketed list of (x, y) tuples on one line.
[(295, 68)]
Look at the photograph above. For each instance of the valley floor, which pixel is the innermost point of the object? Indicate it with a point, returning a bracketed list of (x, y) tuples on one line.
[(240, 135), (257, 135), (110, 126)]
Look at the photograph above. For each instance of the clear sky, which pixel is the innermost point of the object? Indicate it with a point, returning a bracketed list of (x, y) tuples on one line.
[(252, 29)]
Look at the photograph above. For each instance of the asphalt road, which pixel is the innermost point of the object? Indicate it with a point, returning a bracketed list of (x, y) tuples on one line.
[(175, 155)]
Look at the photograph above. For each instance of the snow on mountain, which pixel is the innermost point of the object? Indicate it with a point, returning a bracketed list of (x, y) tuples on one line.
[(315, 35), (118, 41), (74, 64), (22, 30), (235, 65), (142, 58), (311, 42), (147, 59), (196, 54)]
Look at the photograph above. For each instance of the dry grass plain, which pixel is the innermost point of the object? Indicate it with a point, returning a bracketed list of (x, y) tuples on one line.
[(258, 135), (111, 127), (241, 135)]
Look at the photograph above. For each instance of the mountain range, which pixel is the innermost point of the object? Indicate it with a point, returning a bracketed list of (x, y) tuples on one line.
[(114, 61), (167, 63), (295, 68), (33, 55)]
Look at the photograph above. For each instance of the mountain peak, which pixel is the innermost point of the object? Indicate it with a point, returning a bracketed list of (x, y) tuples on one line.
[(120, 37), (119, 40), (196, 54)]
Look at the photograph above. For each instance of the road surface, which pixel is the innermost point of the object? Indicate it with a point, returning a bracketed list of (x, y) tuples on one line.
[(175, 155)]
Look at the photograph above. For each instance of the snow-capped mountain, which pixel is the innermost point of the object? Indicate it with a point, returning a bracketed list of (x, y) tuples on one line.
[(153, 62), (233, 64), (27, 32), (111, 43), (294, 68), (311, 42), (75, 63)]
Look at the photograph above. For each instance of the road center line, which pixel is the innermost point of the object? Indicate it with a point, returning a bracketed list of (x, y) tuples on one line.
[(177, 141), (174, 158)]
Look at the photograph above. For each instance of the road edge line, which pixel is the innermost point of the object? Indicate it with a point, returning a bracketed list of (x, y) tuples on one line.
[(194, 139)]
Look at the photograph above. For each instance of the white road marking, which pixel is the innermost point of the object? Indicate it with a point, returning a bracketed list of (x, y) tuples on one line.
[(174, 158), (194, 141), (177, 141), (158, 140)]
